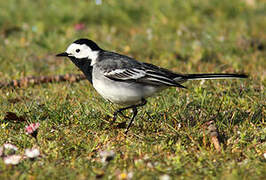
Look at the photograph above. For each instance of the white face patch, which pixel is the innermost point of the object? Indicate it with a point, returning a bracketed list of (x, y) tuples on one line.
[(81, 51)]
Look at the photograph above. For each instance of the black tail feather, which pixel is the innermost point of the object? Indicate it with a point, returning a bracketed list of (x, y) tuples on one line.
[(213, 76)]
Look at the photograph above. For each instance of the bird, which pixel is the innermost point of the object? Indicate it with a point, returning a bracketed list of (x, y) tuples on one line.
[(126, 81)]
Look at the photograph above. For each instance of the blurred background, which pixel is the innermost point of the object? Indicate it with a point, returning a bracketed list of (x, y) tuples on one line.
[(186, 36)]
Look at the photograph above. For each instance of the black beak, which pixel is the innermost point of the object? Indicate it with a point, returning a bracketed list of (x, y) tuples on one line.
[(64, 54)]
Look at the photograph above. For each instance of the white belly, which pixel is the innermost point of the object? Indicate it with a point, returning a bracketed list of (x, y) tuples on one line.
[(123, 93)]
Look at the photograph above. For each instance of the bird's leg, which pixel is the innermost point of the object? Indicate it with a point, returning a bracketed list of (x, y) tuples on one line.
[(143, 102), (135, 112), (120, 111)]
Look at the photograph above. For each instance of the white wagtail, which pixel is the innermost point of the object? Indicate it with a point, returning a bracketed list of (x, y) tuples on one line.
[(124, 80)]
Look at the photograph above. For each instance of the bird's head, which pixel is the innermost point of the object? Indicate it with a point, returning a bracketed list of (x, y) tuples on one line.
[(82, 49)]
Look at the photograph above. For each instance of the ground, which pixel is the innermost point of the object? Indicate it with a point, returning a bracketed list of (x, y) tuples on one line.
[(168, 138)]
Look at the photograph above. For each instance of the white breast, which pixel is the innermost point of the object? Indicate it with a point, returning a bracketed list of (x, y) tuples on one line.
[(121, 92)]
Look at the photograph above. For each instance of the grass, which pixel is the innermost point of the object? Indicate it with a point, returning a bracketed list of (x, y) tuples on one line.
[(167, 137)]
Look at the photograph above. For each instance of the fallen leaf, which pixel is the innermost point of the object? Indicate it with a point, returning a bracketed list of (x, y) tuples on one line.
[(10, 116), (14, 100)]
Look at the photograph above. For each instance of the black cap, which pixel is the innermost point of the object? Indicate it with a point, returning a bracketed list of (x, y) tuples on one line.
[(89, 43)]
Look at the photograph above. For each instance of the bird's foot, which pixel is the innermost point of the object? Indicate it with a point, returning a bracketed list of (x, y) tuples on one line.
[(115, 115)]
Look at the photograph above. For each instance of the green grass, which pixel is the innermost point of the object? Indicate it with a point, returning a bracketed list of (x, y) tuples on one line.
[(167, 136)]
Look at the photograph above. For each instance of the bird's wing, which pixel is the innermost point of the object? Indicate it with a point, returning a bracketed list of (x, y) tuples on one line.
[(122, 68), (144, 74), (162, 76), (125, 74)]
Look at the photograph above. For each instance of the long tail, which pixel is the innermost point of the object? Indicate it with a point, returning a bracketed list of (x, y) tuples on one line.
[(213, 76), (185, 77)]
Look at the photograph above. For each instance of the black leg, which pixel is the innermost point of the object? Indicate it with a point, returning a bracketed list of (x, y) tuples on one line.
[(135, 112), (120, 111)]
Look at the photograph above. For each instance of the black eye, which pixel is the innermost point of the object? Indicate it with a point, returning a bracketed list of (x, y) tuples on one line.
[(77, 50)]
